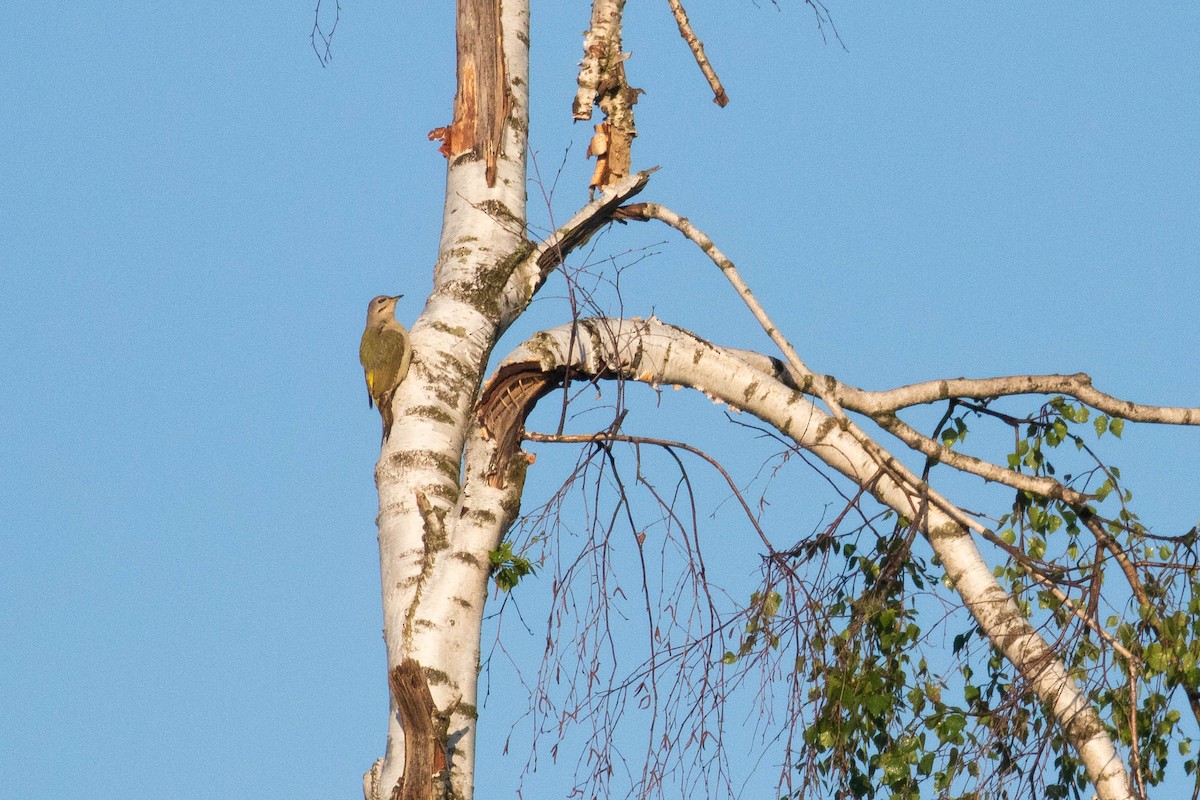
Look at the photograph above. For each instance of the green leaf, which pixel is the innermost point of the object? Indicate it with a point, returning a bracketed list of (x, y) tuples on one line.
[(1101, 425), (772, 604), (878, 703), (1037, 547), (1116, 426), (1155, 658), (508, 568)]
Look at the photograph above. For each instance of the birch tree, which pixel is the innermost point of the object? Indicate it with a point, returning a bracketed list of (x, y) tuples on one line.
[(1061, 674)]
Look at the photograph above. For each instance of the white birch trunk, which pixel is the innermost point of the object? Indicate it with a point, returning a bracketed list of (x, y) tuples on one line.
[(434, 567)]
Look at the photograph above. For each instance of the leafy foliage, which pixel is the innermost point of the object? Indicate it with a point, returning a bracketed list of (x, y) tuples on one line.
[(879, 721), (509, 568)]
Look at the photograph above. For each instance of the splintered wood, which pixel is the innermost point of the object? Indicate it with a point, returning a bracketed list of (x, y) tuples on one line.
[(602, 83), (481, 102), (424, 753), (507, 400)]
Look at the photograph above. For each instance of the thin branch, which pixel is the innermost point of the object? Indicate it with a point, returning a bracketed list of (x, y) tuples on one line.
[(697, 46), (324, 54), (1134, 749), (1078, 386), (1148, 610), (668, 445), (806, 379), (882, 405), (1039, 485)]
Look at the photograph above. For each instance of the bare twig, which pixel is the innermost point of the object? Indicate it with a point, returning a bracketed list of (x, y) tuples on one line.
[(323, 51), (664, 443)]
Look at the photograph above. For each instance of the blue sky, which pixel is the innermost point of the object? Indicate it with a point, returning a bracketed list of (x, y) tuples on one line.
[(195, 213)]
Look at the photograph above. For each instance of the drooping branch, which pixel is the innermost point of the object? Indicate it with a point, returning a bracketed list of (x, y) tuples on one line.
[(652, 352)]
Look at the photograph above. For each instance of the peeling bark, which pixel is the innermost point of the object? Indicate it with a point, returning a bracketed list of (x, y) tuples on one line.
[(602, 83)]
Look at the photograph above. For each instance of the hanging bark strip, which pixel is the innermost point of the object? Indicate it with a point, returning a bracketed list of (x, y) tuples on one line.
[(424, 754), (481, 102)]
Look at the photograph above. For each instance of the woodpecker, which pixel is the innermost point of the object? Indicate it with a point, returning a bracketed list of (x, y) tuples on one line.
[(385, 354)]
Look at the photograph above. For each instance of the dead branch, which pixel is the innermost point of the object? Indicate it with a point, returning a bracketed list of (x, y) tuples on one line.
[(543, 258), (693, 41), (602, 83)]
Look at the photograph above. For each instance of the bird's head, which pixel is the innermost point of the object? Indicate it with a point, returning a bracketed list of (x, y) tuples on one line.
[(382, 307)]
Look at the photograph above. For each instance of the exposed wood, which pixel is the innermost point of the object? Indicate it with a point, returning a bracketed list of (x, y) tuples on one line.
[(598, 149), (507, 400), (424, 753), (481, 102)]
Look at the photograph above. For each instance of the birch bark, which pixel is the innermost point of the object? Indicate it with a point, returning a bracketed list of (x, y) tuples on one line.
[(436, 522)]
